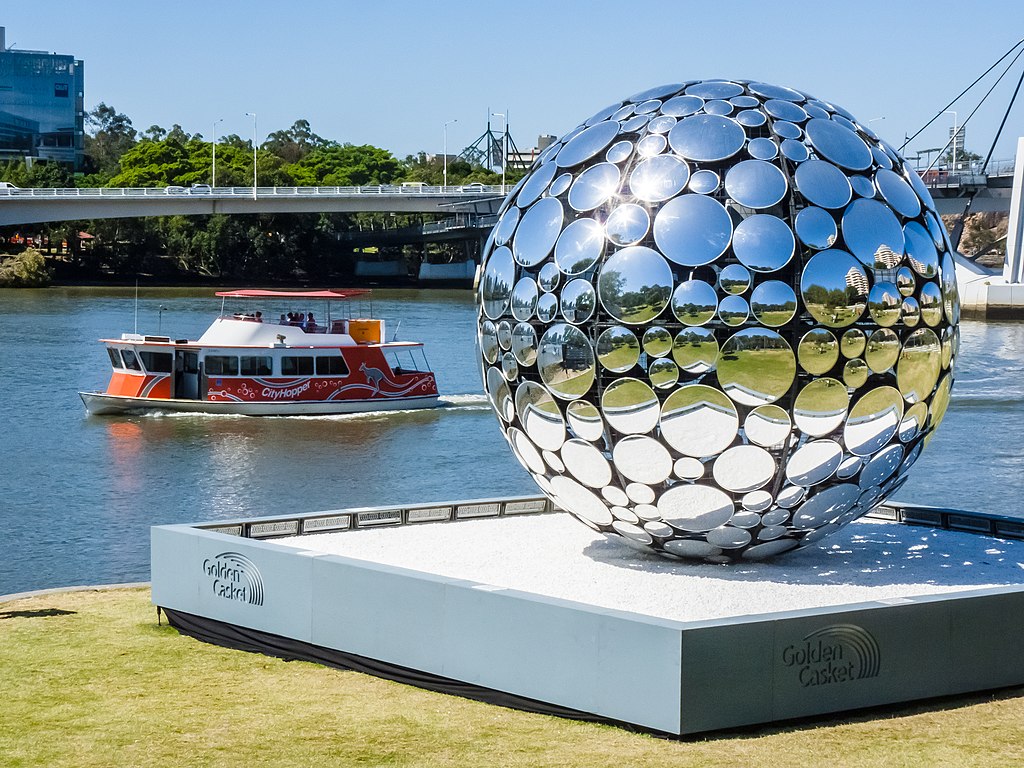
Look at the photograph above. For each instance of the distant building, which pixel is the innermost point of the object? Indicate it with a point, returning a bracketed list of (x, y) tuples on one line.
[(42, 106)]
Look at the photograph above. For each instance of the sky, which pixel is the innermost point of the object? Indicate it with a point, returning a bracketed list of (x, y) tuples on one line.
[(394, 73)]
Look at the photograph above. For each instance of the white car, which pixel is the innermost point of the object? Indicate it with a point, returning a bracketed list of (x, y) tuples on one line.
[(175, 191), (6, 188), (200, 189)]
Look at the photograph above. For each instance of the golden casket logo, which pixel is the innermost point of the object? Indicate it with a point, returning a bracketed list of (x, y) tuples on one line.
[(235, 577), (835, 654)]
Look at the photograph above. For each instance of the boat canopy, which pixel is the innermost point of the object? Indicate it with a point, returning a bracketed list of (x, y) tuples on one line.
[(340, 293)]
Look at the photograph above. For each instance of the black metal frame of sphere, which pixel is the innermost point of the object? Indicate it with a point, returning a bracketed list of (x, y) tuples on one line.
[(719, 319)]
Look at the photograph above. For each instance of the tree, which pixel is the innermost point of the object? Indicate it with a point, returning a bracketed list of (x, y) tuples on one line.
[(113, 136), (342, 165), (295, 143)]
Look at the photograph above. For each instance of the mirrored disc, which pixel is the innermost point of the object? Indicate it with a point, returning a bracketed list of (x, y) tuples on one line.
[(852, 343), (762, 149), (506, 226), (565, 361), (704, 182), (816, 228), (919, 365), (642, 459), (618, 349), (651, 145), (785, 110), (873, 421), (628, 224), (733, 310), (547, 307), (539, 416), (751, 118), (885, 304), (619, 151), (756, 184), (898, 193), (764, 243), (692, 230), (499, 394), (822, 184), (695, 508), (910, 312), (699, 421), (718, 107), (538, 230), (855, 373), (647, 106), (586, 463), (773, 303), (587, 144), (663, 373), (524, 343), (496, 285), (695, 350), (584, 420), (872, 233), (660, 125), (921, 253), (820, 407), (562, 183), (657, 342), (881, 467), (913, 421), (630, 406), (813, 463), (594, 186), (688, 468), (657, 92), (834, 287), (743, 468), (756, 366), (526, 452), (786, 130), (694, 302), (581, 501), (659, 178), (930, 300), (794, 150), (533, 188), (578, 301), (488, 341), (634, 284), (524, 298), (769, 91), (734, 279), (579, 246), (862, 186), (839, 144), (905, 277), (882, 350), (707, 138), (714, 89), (549, 276), (818, 351), (767, 426), (826, 506), (681, 106)]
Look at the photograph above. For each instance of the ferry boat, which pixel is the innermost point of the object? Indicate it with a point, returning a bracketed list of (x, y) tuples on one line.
[(246, 363)]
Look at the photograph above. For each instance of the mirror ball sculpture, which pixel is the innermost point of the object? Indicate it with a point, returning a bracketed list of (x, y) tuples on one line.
[(718, 320)]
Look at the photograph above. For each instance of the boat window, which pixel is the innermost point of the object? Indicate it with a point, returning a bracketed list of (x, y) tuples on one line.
[(221, 365), (130, 361), (297, 366), (115, 358), (333, 365), (156, 362), (257, 365), (411, 360)]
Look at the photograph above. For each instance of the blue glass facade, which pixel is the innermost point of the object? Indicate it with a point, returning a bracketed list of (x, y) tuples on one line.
[(42, 106)]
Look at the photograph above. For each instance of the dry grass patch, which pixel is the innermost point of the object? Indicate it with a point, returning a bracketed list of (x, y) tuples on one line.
[(89, 679)]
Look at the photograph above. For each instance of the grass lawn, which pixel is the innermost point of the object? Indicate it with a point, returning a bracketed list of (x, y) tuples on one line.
[(89, 679)]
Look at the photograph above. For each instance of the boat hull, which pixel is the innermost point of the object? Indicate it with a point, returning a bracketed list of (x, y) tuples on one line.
[(102, 404)]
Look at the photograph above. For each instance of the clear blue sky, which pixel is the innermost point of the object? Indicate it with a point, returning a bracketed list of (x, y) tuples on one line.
[(392, 73)]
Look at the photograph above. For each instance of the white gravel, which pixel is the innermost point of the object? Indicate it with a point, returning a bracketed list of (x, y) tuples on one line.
[(556, 556)]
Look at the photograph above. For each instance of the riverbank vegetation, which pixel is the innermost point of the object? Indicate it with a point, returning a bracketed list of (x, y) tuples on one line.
[(90, 679), (272, 248)]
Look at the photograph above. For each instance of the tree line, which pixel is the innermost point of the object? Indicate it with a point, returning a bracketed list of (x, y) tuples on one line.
[(285, 247)]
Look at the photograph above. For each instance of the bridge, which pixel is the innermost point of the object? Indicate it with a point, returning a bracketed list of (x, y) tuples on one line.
[(28, 206)]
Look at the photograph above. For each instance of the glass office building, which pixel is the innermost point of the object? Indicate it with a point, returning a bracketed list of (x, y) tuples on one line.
[(42, 105)]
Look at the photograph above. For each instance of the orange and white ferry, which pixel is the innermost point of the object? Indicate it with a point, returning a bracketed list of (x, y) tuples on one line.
[(253, 365)]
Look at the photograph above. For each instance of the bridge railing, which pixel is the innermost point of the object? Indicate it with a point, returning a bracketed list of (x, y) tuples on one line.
[(247, 192)]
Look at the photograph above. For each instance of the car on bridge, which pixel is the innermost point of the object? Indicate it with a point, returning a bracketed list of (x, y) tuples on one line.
[(174, 191), (6, 188), (200, 189)]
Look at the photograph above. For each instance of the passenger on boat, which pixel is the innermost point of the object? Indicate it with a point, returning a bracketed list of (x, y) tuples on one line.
[(258, 317), (310, 322)]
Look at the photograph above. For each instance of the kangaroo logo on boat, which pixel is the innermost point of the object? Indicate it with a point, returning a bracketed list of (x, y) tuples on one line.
[(835, 654), (235, 577)]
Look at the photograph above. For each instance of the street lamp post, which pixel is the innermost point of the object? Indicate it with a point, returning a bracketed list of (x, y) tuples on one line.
[(504, 146), (449, 122), (875, 119), (254, 184), (951, 112), (213, 180)]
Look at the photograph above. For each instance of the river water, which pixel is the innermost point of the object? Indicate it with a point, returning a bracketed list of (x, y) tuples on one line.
[(78, 494)]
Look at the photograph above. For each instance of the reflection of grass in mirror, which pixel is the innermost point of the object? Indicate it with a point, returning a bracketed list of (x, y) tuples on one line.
[(568, 381), (686, 355), (773, 318), (619, 355), (918, 371), (822, 396), (627, 394), (761, 370)]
